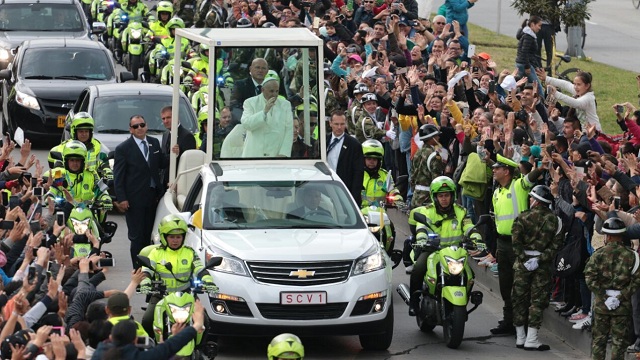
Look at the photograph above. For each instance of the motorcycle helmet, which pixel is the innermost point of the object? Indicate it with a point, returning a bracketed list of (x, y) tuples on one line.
[(166, 7), (360, 88), (203, 116), (203, 52), (373, 149), (428, 131), (175, 22), (614, 226), (268, 24), (542, 193), (82, 121), (172, 224), (443, 184), (74, 149), (369, 97), (285, 346), (244, 23)]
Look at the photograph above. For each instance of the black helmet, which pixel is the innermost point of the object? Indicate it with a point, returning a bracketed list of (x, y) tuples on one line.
[(614, 226), (428, 131), (542, 193), (244, 23)]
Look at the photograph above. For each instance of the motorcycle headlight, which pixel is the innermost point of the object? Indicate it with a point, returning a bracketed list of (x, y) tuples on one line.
[(80, 226), (27, 101), (455, 265), (228, 265), (136, 34), (180, 313), (4, 54), (370, 262)]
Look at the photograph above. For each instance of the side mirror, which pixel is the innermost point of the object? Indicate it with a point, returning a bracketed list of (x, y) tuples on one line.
[(213, 262), (145, 261), (5, 74), (124, 76), (483, 219), (421, 218), (98, 27), (186, 64), (111, 155)]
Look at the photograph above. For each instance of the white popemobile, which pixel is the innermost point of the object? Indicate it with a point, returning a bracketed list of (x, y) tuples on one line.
[(297, 253)]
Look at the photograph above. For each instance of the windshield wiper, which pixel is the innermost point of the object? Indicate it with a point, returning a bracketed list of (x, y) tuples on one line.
[(113, 131), (72, 77), (39, 77)]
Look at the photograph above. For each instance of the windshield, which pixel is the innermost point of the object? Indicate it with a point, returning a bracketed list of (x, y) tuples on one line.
[(112, 113), (279, 204), (40, 17), (66, 63)]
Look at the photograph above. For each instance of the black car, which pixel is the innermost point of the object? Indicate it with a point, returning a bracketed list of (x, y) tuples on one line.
[(22, 20), (45, 79), (111, 107)]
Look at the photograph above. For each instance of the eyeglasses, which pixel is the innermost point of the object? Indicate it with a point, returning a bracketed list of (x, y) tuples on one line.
[(368, 2), (439, 23), (423, 70), (136, 126)]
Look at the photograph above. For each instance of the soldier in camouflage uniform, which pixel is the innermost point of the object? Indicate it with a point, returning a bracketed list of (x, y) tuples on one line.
[(534, 251), (354, 112), (210, 14), (370, 125), (186, 11), (426, 165), (611, 275)]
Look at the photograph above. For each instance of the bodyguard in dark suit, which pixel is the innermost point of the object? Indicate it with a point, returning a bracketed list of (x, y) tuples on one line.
[(137, 166), (249, 87), (344, 155), (186, 141)]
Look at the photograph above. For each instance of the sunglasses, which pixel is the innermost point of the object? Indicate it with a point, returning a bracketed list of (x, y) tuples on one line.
[(136, 126), (440, 23)]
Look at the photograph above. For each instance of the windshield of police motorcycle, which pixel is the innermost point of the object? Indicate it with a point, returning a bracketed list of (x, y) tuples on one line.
[(40, 17), (273, 94), (279, 205), (66, 63)]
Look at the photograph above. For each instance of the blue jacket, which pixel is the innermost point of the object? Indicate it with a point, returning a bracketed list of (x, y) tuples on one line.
[(457, 10)]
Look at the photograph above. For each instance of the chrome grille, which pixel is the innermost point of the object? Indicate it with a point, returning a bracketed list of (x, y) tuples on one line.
[(328, 272)]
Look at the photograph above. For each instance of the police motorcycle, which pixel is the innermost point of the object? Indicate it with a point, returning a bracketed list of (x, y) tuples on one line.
[(133, 46), (162, 52), (176, 307), (186, 81), (375, 214), (447, 285), (119, 20), (101, 11)]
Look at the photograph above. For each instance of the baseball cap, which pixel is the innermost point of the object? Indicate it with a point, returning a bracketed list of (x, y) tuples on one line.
[(484, 55), (355, 57), (118, 302)]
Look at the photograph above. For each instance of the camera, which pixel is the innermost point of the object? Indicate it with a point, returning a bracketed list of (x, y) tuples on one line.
[(522, 115), (340, 17), (107, 262), (616, 202), (60, 218)]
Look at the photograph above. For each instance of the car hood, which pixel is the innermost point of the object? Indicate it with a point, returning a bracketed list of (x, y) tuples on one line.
[(14, 38), (58, 89), (292, 244), (113, 140)]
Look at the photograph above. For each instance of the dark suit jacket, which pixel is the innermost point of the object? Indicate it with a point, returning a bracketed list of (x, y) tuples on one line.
[(186, 141), (132, 174), (242, 90), (350, 166)]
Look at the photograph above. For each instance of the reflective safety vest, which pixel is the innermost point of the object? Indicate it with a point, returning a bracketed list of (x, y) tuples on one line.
[(375, 190), (139, 331), (509, 202), (81, 186), (185, 263), (449, 228)]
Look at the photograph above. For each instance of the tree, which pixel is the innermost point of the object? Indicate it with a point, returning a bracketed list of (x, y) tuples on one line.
[(569, 12)]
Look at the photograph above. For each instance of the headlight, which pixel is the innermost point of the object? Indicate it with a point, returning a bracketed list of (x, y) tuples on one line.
[(80, 226), (228, 265), (455, 266), (27, 101), (369, 263), (180, 314), (4, 54), (135, 34)]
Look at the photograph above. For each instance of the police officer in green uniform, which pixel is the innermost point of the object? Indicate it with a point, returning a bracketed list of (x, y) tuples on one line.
[(165, 12), (536, 237), (377, 183), (510, 198), (426, 165), (184, 265), (611, 274), (447, 219)]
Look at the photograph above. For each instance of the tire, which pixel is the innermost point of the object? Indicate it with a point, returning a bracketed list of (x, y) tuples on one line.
[(453, 325), (136, 62), (380, 342), (424, 326), (569, 74)]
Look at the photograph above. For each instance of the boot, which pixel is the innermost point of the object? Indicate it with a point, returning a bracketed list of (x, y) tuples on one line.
[(414, 304), (521, 337), (503, 328), (532, 342)]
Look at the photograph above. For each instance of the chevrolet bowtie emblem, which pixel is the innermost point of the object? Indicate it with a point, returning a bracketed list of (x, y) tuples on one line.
[(302, 274)]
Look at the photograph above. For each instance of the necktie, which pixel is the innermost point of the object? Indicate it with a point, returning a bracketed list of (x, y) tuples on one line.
[(333, 144), (145, 148), (258, 89)]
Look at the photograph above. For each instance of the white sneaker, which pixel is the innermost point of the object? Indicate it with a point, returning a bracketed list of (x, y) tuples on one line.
[(408, 269), (582, 324)]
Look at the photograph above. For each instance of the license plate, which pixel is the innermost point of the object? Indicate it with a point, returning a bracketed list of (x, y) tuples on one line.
[(303, 298), (61, 119)]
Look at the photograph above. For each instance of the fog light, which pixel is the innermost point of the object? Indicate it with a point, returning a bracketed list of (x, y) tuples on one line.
[(378, 306), (220, 309)]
